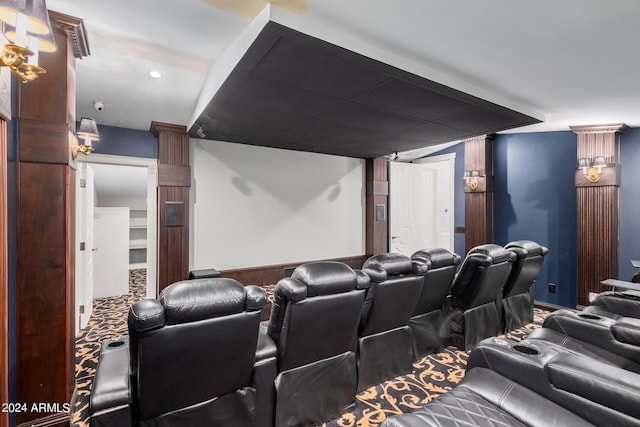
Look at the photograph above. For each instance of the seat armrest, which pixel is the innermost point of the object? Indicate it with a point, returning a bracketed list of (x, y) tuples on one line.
[(110, 403), (627, 330), (599, 382), (265, 369), (266, 347)]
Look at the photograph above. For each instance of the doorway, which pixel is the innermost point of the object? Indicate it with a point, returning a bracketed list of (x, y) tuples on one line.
[(115, 228), (421, 204)]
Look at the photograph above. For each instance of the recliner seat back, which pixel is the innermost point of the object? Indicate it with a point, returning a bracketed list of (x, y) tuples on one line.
[(316, 312), (482, 275), (438, 278), (526, 267), (314, 323), (197, 342)]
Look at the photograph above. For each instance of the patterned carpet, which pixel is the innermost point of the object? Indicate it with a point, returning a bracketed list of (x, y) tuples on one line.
[(432, 376)]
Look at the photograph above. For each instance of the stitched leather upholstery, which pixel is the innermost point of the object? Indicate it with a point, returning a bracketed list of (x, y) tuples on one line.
[(384, 344), (429, 324), (476, 295), (517, 294), (192, 359), (314, 323), (484, 398)]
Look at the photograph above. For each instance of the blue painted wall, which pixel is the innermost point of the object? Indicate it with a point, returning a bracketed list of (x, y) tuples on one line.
[(629, 202), (126, 142), (535, 199)]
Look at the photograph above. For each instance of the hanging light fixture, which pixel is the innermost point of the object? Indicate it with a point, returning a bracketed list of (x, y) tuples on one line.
[(31, 34), (87, 133)]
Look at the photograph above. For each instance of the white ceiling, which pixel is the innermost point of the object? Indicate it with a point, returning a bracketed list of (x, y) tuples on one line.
[(574, 62), (119, 182)]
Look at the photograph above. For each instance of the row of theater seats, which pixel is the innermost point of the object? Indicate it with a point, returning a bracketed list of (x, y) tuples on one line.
[(582, 368), (199, 354)]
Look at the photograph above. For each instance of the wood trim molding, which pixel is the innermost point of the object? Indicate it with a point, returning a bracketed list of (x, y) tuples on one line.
[(591, 129), (270, 274), (174, 176), (74, 29), (157, 127), (4, 344)]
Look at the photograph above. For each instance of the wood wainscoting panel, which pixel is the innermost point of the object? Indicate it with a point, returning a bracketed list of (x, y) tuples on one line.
[(270, 274)]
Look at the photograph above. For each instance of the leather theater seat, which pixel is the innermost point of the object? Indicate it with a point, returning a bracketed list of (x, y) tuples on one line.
[(532, 383), (192, 357), (384, 343), (484, 398), (476, 295), (314, 323), (517, 293), (603, 393), (429, 324), (614, 340)]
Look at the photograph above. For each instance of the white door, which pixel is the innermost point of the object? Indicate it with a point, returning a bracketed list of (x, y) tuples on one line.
[(443, 169), (111, 256), (411, 208), (84, 244)]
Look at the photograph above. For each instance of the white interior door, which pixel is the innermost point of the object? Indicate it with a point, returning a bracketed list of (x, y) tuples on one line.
[(443, 169), (412, 212), (85, 195), (111, 256)]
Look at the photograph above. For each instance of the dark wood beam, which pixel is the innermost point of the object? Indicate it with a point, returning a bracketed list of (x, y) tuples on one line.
[(377, 193)]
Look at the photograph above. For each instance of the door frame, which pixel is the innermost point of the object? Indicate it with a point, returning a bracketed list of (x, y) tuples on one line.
[(152, 208), (451, 158)]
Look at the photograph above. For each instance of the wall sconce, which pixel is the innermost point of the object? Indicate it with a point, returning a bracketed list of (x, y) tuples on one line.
[(32, 34), (87, 132), (592, 170), (471, 179)]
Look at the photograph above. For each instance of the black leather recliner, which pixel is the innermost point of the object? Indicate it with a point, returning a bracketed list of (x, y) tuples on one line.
[(193, 357), (429, 324), (616, 340), (384, 343), (476, 295), (517, 294), (314, 323)]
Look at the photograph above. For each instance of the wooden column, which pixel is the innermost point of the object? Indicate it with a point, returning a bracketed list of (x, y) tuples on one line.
[(597, 209), (45, 282), (4, 331), (478, 200), (377, 193), (174, 180)]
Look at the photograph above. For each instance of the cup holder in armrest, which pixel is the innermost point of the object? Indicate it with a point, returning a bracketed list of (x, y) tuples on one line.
[(115, 344), (589, 316), (526, 350)]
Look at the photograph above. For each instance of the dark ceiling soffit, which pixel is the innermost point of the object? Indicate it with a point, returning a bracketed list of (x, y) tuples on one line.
[(294, 91)]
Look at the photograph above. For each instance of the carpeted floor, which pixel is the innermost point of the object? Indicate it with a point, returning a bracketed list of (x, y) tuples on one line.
[(432, 376)]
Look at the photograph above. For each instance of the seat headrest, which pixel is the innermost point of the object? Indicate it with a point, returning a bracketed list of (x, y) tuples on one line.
[(326, 277), (532, 248), (437, 257), (198, 299), (496, 252), (392, 263)]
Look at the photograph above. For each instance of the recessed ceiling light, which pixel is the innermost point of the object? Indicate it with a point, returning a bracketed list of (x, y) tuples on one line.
[(155, 74)]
